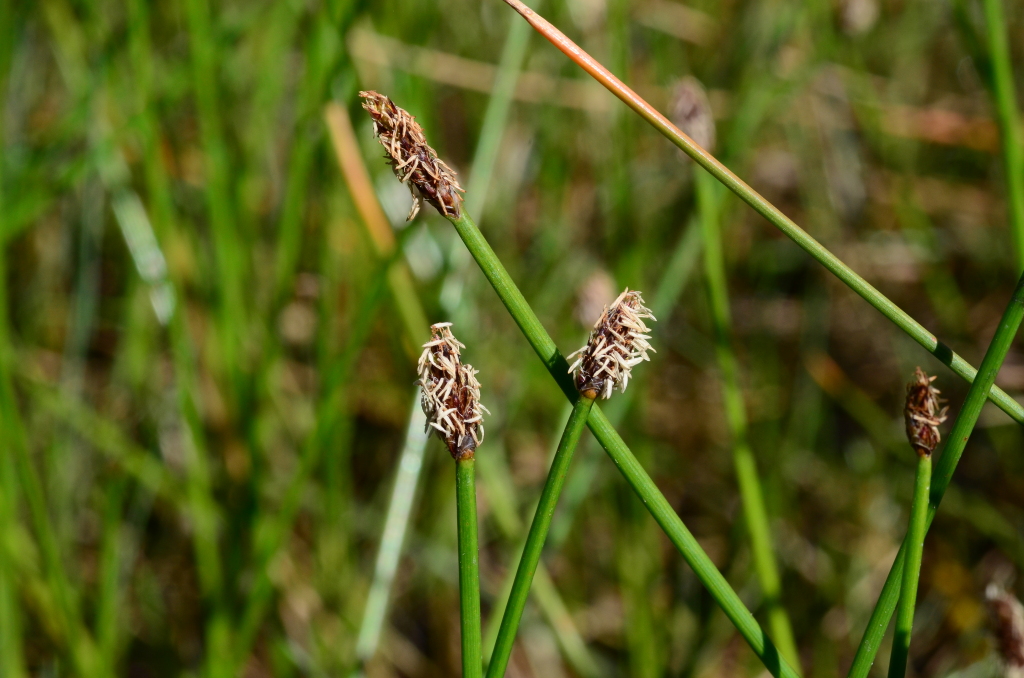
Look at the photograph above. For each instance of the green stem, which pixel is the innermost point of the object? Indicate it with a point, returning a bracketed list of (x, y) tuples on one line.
[(1009, 121), (954, 448), (635, 475), (862, 287), (230, 264), (754, 510), (538, 534), (469, 568), (912, 569), (12, 659)]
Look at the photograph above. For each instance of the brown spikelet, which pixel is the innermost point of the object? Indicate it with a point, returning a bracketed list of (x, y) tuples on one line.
[(691, 112), (618, 342), (1008, 626), (922, 414), (413, 161), (451, 393)]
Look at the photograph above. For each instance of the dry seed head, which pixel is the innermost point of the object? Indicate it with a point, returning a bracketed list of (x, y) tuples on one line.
[(922, 414), (412, 160), (1008, 626), (618, 342), (450, 393)]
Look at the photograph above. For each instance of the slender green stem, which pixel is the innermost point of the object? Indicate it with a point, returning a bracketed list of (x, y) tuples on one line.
[(230, 264), (1009, 121), (111, 587), (469, 568), (862, 287), (538, 534), (954, 448), (635, 475), (12, 659), (502, 502), (754, 510), (321, 53), (399, 510), (912, 568)]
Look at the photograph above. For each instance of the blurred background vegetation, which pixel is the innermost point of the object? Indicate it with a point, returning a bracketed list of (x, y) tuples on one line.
[(208, 331)]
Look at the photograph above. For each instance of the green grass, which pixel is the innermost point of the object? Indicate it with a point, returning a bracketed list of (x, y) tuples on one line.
[(206, 356)]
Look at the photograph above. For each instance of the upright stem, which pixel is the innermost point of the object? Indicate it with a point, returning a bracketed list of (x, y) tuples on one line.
[(469, 568), (1009, 121), (773, 214), (754, 510), (912, 567), (957, 440), (538, 534), (659, 507)]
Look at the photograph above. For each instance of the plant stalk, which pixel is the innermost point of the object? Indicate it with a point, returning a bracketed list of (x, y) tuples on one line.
[(754, 510), (951, 453), (1009, 121), (538, 534), (912, 568), (469, 568), (862, 287), (635, 475)]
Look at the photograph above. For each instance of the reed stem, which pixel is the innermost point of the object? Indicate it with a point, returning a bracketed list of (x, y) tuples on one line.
[(862, 287), (951, 453), (538, 534), (754, 510), (1009, 121), (635, 475), (912, 568), (469, 568)]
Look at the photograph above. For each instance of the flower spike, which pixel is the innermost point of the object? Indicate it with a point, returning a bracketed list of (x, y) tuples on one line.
[(451, 393), (922, 414), (618, 342), (411, 158)]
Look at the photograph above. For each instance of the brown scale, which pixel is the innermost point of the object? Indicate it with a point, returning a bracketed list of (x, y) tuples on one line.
[(591, 380), (922, 415), (460, 404), (586, 383), (411, 158)]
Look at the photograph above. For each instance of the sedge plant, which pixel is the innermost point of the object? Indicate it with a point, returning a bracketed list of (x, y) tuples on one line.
[(430, 179), (923, 418), (617, 343), (766, 209), (963, 425), (451, 403)]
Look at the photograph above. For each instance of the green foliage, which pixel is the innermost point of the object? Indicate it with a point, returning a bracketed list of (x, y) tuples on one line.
[(206, 364)]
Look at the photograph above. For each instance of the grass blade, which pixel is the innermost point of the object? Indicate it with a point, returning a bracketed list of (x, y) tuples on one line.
[(399, 510), (951, 453), (862, 287), (538, 534)]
